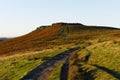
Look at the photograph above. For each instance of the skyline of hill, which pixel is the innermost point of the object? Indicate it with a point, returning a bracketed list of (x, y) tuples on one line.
[(57, 33)]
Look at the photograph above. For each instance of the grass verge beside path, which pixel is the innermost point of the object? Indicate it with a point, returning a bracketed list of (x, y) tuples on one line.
[(55, 75)]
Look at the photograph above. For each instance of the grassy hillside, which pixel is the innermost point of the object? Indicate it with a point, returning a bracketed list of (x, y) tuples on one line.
[(97, 58), (56, 34), (29, 41)]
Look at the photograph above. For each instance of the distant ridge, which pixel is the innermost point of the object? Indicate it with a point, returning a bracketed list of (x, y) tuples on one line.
[(3, 38)]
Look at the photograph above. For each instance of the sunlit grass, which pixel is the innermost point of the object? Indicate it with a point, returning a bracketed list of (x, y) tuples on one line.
[(16, 67), (105, 54), (55, 74)]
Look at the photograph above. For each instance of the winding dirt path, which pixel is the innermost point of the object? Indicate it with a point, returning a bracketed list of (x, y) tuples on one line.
[(43, 71)]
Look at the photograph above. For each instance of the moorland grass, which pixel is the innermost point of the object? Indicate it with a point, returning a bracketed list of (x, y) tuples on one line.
[(104, 56), (55, 74), (16, 67)]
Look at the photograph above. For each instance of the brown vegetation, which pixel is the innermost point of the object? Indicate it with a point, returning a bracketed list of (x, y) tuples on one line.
[(49, 36), (29, 41)]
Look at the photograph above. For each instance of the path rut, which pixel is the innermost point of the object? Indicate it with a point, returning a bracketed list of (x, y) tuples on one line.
[(43, 71)]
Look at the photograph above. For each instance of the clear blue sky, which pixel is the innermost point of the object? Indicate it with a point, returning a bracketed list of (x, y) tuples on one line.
[(18, 17)]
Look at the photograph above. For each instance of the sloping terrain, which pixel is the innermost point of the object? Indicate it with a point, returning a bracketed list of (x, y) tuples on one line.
[(96, 59), (28, 41), (56, 34)]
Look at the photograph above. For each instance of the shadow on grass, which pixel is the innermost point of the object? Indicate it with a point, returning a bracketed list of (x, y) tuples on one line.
[(111, 72), (86, 74)]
